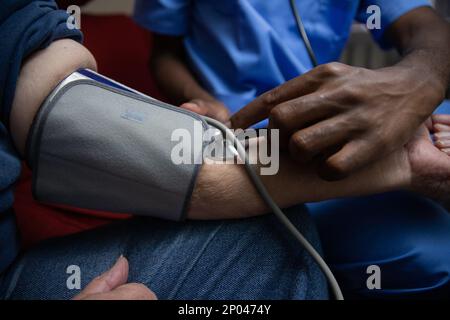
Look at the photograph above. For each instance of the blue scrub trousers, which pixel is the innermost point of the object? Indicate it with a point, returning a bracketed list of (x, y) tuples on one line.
[(406, 235)]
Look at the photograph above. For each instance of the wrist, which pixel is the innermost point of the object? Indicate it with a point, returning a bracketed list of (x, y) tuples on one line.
[(192, 91), (433, 84), (423, 91), (218, 194)]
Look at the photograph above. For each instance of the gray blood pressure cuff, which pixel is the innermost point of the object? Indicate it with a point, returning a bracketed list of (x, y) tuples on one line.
[(99, 145)]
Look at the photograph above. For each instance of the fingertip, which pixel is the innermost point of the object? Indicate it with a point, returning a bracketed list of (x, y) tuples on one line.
[(439, 135), (438, 127), (118, 273), (123, 261), (191, 107), (442, 143), (441, 118)]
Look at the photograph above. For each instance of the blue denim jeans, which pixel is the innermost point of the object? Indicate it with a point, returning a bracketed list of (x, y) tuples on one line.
[(238, 259)]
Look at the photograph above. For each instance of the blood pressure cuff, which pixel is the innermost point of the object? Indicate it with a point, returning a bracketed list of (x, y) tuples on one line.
[(97, 147)]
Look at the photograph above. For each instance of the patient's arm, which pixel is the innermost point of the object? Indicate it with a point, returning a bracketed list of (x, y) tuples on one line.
[(222, 190), (39, 75), (225, 191)]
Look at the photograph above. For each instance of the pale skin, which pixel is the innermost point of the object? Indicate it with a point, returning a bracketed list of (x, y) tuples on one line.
[(441, 129), (223, 190), (112, 285)]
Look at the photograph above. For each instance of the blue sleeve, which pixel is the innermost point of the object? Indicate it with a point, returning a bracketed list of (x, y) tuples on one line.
[(391, 10), (169, 17), (26, 26)]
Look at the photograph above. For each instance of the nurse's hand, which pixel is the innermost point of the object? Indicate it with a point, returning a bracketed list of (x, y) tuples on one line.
[(345, 117), (211, 108)]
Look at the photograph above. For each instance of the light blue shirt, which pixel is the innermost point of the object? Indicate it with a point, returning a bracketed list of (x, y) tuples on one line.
[(241, 48)]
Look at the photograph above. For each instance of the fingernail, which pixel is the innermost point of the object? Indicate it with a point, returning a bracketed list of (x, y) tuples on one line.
[(110, 274), (228, 124)]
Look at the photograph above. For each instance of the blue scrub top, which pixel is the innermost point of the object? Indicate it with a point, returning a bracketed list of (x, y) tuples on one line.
[(241, 48)]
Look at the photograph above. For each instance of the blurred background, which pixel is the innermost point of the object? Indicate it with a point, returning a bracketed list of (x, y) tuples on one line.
[(361, 51)]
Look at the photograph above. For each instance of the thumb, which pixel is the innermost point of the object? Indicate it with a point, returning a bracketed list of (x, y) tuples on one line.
[(114, 277)]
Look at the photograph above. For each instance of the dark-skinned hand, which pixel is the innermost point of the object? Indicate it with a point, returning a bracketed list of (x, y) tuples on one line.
[(344, 117)]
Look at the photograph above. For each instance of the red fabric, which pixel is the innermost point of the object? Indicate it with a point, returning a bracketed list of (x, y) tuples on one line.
[(63, 4), (122, 50)]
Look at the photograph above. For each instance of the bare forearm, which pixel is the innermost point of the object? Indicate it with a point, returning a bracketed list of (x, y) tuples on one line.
[(173, 76), (39, 75), (225, 191)]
